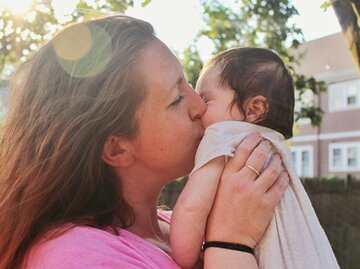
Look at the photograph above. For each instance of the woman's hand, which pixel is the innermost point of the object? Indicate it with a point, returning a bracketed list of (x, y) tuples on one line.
[(245, 202)]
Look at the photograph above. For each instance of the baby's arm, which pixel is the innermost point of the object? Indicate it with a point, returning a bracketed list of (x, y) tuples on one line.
[(191, 211)]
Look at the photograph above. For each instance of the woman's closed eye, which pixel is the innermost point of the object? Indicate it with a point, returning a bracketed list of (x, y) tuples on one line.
[(178, 100)]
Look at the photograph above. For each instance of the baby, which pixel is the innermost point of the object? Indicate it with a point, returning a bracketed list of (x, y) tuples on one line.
[(248, 90)]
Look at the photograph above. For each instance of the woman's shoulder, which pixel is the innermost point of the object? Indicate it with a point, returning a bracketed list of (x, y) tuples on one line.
[(75, 247), (86, 247)]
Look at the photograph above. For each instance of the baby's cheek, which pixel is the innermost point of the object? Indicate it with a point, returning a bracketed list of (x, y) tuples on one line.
[(205, 122), (205, 119)]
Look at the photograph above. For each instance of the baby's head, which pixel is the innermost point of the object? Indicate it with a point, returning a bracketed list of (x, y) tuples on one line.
[(248, 84)]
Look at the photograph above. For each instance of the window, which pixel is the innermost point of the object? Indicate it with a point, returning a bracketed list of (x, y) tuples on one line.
[(344, 157), (336, 161), (305, 163), (302, 158), (307, 98), (352, 156), (344, 95), (352, 96)]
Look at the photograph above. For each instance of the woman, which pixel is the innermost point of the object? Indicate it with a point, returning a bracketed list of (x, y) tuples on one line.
[(101, 118)]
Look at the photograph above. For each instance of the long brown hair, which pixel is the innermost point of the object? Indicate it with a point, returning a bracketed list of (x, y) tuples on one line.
[(79, 89)]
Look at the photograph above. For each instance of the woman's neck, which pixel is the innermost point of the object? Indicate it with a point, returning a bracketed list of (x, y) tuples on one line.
[(143, 199), (141, 189), (146, 223)]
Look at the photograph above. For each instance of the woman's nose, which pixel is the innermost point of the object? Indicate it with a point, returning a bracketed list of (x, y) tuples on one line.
[(197, 106)]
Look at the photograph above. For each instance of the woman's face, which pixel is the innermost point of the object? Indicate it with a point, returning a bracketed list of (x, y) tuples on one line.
[(170, 128)]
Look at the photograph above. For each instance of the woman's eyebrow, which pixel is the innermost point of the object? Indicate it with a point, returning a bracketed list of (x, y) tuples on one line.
[(178, 81)]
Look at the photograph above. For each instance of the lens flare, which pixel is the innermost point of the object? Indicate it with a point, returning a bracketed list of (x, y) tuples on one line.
[(16, 7), (83, 51), (74, 43)]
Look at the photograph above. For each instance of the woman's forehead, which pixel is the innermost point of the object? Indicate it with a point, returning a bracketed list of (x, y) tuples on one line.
[(161, 72), (160, 67)]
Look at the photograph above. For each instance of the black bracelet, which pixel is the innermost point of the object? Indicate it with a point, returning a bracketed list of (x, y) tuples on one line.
[(233, 246)]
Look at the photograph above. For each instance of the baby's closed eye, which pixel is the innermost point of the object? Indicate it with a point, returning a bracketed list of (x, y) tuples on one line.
[(207, 100)]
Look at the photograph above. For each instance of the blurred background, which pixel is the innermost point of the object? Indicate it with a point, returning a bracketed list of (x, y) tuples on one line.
[(319, 40)]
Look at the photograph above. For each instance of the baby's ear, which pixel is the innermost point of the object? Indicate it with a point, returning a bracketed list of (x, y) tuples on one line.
[(256, 108)]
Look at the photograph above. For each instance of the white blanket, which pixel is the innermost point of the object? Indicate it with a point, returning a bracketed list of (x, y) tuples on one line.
[(294, 238)]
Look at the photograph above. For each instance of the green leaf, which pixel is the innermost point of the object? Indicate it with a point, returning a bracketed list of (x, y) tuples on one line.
[(145, 3), (327, 4)]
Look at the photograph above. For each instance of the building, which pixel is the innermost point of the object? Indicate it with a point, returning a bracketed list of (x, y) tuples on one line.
[(333, 149)]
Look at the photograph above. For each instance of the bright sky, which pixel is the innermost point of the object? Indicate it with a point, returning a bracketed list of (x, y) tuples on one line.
[(177, 21), (314, 22)]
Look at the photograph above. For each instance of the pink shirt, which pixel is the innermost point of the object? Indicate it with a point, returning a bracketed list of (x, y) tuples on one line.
[(90, 248)]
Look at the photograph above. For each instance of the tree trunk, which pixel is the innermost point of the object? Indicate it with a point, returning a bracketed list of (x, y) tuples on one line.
[(347, 12)]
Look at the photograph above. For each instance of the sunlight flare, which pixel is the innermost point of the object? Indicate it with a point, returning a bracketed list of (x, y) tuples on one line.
[(16, 7), (83, 51)]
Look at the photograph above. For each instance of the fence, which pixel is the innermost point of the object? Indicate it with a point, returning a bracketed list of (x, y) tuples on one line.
[(337, 205)]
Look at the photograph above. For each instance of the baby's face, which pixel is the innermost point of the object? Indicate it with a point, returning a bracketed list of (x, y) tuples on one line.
[(218, 98)]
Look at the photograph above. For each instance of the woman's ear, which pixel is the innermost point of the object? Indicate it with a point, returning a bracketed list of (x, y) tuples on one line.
[(117, 152), (256, 108)]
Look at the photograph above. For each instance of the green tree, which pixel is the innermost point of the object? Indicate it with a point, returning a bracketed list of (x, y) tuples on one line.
[(192, 63), (21, 35), (256, 23), (348, 14)]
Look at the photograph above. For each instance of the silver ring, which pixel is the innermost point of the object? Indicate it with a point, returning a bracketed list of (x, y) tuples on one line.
[(253, 169)]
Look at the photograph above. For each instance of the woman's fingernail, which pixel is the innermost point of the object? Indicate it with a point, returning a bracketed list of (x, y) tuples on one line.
[(255, 135), (267, 143)]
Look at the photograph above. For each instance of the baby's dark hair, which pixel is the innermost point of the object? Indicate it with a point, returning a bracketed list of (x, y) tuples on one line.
[(257, 71)]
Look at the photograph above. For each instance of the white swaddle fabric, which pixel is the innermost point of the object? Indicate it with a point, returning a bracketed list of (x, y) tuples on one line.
[(294, 238)]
